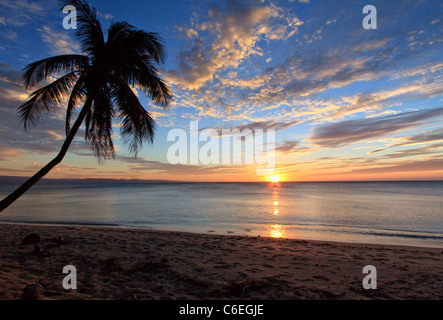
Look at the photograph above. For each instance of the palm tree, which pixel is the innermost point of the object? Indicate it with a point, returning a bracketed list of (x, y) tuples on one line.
[(101, 80)]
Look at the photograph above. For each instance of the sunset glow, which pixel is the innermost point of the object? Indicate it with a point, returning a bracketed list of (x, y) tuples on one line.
[(365, 105), (274, 179)]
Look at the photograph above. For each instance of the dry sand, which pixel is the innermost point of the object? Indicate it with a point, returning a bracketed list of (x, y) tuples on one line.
[(114, 263)]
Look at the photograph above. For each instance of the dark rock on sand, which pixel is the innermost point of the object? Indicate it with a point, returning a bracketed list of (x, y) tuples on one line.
[(32, 238), (32, 291)]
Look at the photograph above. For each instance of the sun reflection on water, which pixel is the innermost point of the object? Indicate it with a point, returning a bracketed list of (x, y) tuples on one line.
[(276, 230)]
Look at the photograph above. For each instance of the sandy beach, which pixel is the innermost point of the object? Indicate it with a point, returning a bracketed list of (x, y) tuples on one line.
[(115, 263)]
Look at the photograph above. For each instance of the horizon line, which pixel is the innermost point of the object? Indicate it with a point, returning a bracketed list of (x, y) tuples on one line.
[(193, 181)]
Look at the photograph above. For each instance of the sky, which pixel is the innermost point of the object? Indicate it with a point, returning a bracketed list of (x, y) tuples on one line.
[(346, 103)]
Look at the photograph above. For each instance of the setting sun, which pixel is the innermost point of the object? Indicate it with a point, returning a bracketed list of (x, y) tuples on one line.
[(274, 179)]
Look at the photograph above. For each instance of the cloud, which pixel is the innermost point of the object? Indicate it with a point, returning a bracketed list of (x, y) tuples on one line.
[(59, 42), (106, 16), (343, 133), (410, 166), (9, 154), (232, 69), (287, 147), (423, 138), (187, 32), (16, 13), (11, 35), (431, 140), (309, 73), (406, 153), (234, 32), (45, 139), (255, 64), (141, 164), (266, 125), (10, 76), (373, 102), (260, 125), (194, 68)]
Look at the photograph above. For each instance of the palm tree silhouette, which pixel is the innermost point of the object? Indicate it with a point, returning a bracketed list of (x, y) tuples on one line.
[(101, 80)]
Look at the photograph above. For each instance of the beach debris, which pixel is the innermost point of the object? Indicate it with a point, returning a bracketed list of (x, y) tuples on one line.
[(56, 242), (112, 262), (153, 265), (32, 291), (241, 288), (32, 238), (113, 265), (164, 260), (39, 252)]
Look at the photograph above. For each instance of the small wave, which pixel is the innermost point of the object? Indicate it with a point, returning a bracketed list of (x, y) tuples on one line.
[(404, 235), (55, 223), (371, 232)]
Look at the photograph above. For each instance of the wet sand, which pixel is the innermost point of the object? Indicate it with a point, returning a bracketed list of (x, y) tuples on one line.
[(117, 263)]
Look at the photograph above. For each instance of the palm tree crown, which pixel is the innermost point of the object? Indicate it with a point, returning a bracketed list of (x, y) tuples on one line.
[(101, 80)]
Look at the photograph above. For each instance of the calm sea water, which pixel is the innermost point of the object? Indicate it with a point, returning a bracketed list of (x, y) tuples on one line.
[(408, 213)]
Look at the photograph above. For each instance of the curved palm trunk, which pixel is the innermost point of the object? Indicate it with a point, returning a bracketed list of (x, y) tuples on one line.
[(40, 174)]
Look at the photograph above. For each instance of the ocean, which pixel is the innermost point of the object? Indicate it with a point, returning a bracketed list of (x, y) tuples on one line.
[(396, 213)]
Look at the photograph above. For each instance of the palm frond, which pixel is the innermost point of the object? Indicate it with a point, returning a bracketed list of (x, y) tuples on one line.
[(99, 126), (134, 55), (78, 94), (149, 42), (137, 124), (118, 31), (132, 40), (40, 70), (89, 29), (145, 75), (45, 99)]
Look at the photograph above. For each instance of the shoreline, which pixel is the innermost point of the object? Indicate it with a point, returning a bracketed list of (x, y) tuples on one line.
[(192, 230), (133, 263), (210, 233)]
